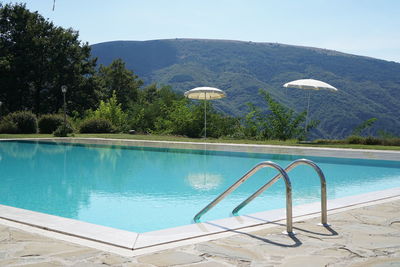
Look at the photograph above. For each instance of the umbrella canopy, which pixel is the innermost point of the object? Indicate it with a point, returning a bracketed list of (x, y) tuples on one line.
[(310, 84), (205, 93)]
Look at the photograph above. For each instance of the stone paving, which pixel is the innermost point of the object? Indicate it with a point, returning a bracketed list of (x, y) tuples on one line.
[(368, 236)]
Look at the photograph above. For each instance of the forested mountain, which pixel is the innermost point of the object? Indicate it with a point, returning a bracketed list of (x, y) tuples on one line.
[(368, 87)]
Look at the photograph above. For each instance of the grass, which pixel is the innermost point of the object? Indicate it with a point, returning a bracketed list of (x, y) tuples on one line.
[(209, 140)]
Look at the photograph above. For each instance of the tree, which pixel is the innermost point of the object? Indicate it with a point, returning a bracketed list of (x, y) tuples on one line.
[(152, 103), (112, 111), (36, 58), (178, 120), (116, 78), (184, 117), (279, 122), (364, 125), (219, 124), (253, 122)]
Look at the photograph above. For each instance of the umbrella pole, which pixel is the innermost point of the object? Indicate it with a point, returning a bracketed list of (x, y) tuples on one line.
[(308, 110), (205, 119)]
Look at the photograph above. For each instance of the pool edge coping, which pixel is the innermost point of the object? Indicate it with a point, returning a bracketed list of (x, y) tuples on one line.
[(392, 155)]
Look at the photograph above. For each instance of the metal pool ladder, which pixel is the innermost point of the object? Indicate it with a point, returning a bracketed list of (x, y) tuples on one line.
[(282, 173)]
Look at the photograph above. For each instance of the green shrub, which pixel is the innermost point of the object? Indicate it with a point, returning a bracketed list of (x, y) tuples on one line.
[(49, 123), (25, 121), (370, 140), (96, 125), (7, 126), (395, 141), (112, 111), (328, 141), (63, 131), (355, 139)]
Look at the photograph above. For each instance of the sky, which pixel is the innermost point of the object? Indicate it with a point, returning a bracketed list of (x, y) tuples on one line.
[(362, 27)]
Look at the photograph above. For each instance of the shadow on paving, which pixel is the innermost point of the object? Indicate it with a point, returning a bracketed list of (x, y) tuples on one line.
[(296, 241)]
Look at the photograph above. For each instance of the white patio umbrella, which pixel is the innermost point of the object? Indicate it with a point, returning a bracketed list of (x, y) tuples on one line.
[(205, 93), (309, 84)]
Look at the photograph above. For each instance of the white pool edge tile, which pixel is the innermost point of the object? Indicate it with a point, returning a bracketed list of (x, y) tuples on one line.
[(94, 232), (247, 148)]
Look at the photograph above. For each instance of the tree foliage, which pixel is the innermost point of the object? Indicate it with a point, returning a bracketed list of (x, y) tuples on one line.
[(186, 118), (152, 103), (279, 122), (364, 125), (117, 78), (37, 58), (111, 110)]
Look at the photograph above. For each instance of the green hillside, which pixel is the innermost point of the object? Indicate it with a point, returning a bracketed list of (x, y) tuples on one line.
[(368, 87)]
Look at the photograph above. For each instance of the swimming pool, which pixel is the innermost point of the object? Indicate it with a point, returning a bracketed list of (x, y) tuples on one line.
[(143, 189)]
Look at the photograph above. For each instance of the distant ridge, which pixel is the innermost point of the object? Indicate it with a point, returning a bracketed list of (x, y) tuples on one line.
[(368, 87)]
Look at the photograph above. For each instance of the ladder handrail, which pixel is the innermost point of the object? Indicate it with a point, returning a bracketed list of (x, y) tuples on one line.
[(287, 169), (289, 219)]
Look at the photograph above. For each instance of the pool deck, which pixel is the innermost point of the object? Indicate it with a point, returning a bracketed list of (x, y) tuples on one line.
[(361, 235)]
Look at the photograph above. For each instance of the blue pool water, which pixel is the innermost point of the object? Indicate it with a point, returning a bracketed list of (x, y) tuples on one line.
[(145, 189)]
